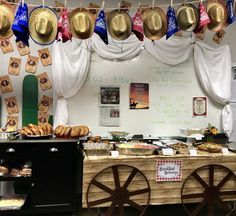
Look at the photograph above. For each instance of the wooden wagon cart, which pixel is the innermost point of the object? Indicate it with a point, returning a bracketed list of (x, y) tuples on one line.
[(208, 183)]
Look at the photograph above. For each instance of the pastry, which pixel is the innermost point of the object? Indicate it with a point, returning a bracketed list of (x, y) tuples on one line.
[(210, 147), (28, 132), (75, 131), (94, 139), (49, 128), (26, 172), (44, 128), (58, 130), (86, 130), (41, 131), (3, 170), (82, 131), (67, 131), (62, 131), (15, 172)]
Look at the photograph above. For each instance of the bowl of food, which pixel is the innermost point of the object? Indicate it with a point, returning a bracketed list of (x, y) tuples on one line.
[(117, 135), (96, 149)]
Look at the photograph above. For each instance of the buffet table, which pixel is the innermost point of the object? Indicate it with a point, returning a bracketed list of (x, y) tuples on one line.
[(196, 179)]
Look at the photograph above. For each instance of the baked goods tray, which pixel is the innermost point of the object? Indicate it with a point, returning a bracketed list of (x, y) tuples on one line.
[(136, 148), (180, 147), (96, 149), (12, 202), (136, 151), (209, 147)]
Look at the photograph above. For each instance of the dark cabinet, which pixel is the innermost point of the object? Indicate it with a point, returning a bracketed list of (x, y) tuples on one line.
[(52, 187)]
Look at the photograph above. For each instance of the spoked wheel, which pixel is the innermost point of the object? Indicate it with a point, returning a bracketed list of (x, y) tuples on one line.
[(204, 190), (118, 186)]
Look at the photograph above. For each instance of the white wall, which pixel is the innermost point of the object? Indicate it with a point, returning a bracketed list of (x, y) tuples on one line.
[(171, 90)]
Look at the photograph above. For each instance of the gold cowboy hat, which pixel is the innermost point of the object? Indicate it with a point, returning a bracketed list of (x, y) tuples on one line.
[(81, 23), (187, 17), (6, 20), (217, 13), (43, 25), (119, 24), (154, 23)]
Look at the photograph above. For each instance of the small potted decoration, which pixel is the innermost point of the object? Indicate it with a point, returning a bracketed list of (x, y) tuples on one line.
[(210, 133)]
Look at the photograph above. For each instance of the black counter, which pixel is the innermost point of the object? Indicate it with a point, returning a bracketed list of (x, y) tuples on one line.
[(40, 140)]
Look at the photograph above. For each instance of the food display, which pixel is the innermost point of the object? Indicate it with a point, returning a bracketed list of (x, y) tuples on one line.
[(96, 149), (67, 131), (94, 139), (182, 148), (210, 147), (18, 169), (6, 132), (117, 135), (12, 202), (132, 148), (33, 130), (26, 170)]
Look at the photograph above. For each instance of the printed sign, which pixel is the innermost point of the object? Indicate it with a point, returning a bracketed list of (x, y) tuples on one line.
[(199, 106), (139, 96), (169, 170)]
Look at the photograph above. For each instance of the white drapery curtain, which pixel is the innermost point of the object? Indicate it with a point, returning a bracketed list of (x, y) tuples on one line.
[(72, 60), (213, 67), (117, 50), (173, 51)]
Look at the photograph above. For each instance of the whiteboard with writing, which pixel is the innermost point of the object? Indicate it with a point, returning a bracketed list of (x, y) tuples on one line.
[(171, 92)]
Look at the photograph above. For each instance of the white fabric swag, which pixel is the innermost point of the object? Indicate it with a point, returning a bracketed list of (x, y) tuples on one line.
[(71, 62), (117, 50), (173, 51), (213, 67)]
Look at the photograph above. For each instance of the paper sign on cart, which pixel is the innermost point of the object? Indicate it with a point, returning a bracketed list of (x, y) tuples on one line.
[(169, 170)]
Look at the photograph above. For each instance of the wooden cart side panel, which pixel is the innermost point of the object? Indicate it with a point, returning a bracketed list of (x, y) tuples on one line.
[(161, 192)]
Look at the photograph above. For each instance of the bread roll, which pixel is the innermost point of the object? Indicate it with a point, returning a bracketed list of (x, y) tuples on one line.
[(29, 131), (86, 130), (82, 131), (35, 130), (41, 131), (95, 139), (75, 131), (44, 128), (67, 131), (31, 126), (62, 131), (57, 130)]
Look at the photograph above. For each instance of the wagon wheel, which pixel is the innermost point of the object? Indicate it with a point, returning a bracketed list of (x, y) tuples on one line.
[(212, 184), (117, 187)]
